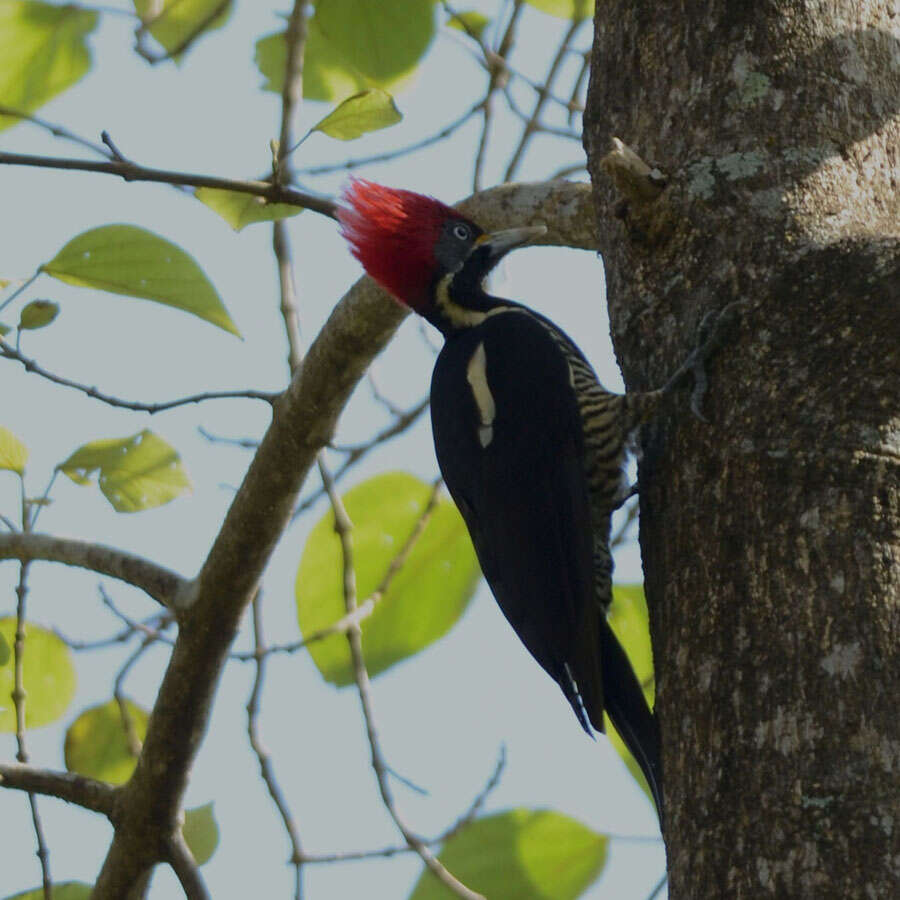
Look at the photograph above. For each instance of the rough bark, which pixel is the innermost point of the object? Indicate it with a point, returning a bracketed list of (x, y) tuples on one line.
[(770, 538)]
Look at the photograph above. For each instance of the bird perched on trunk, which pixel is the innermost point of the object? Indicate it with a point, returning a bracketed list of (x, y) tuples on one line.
[(530, 445)]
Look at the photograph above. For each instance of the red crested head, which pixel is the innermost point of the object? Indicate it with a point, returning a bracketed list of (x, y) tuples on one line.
[(394, 233)]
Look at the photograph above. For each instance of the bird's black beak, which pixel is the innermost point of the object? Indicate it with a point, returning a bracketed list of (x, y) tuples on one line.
[(493, 247)]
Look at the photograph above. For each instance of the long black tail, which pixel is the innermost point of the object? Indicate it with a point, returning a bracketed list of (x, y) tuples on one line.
[(625, 703)]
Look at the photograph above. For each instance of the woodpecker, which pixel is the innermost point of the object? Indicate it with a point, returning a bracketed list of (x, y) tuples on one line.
[(530, 445)]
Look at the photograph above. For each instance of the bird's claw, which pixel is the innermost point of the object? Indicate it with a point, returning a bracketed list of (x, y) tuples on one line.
[(711, 334)]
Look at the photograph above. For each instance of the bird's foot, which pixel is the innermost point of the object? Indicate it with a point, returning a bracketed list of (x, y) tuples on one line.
[(711, 335)]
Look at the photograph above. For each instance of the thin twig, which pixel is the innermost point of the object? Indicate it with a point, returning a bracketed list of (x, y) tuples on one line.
[(365, 609), (344, 528), (35, 506), (180, 858), (291, 96), (403, 419), (243, 443), (19, 696), (129, 727), (22, 287), (383, 852), (498, 75), (543, 95), (657, 889), (151, 625), (262, 754), (160, 583), (78, 789), (349, 164), (630, 518), (59, 131), (129, 171), (31, 365), (356, 452), (164, 620), (579, 84)]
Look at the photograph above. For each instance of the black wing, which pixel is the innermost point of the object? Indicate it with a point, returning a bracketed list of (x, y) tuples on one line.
[(520, 484)]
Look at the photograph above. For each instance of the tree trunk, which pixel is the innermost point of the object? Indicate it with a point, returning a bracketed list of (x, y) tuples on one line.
[(770, 537)]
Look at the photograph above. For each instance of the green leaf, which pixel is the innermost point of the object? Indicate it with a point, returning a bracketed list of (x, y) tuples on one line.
[(48, 677), (4, 329), (630, 621), (128, 260), (42, 52), (13, 453), (5, 650), (327, 75), (174, 22), (135, 473), (366, 111), (240, 210), (97, 743), (565, 9), (201, 832), (383, 45), (350, 47), (424, 600), (37, 314), (67, 890), (521, 854), (472, 21)]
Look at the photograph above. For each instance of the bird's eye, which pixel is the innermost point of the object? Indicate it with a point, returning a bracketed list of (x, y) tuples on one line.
[(461, 231)]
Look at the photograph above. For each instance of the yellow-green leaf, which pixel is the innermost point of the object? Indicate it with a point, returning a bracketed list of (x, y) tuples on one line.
[(135, 473), (521, 854), (42, 52), (327, 75), (424, 600), (201, 832), (351, 47), (48, 677), (4, 329), (37, 314), (127, 260), (13, 453), (240, 210), (97, 742), (5, 650), (174, 22), (383, 44), (630, 621), (366, 111), (67, 890), (565, 9), (470, 22)]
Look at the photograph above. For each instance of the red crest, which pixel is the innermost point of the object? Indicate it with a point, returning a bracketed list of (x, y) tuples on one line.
[(393, 233)]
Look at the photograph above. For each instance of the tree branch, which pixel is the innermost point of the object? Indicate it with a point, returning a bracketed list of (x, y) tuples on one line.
[(160, 583), (263, 757), (181, 860), (303, 422), (85, 792), (31, 365), (131, 171)]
